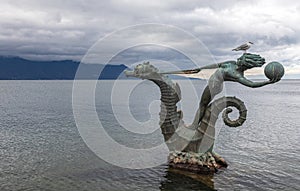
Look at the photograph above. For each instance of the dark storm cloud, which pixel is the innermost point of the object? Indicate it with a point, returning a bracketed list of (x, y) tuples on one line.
[(67, 29)]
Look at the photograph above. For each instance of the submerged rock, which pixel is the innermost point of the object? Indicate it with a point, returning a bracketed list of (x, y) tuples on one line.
[(201, 163)]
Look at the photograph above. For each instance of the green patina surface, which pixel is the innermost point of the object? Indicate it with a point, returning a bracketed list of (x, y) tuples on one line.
[(198, 138)]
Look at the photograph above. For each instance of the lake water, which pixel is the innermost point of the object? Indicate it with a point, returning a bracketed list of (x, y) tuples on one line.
[(41, 149)]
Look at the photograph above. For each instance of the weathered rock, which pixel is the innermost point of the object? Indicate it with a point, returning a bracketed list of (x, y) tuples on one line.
[(201, 163)]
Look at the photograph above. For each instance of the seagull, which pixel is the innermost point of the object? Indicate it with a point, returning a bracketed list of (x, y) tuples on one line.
[(243, 47)]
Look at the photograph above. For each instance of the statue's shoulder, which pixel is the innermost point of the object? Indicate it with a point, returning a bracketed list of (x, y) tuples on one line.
[(227, 63)]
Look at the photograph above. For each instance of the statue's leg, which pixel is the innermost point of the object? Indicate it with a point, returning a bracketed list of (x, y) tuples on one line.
[(205, 100)]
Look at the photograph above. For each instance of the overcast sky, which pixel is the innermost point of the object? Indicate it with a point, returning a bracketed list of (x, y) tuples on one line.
[(56, 29)]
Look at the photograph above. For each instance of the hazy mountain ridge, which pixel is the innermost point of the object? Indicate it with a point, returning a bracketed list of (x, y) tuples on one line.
[(16, 68)]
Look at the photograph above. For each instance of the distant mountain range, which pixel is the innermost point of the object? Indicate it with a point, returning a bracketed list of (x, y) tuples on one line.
[(16, 68)]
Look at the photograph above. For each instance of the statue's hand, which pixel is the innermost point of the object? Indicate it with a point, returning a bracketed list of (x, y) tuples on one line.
[(272, 81), (253, 60)]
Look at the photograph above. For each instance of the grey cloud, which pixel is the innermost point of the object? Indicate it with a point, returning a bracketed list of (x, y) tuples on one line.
[(67, 29)]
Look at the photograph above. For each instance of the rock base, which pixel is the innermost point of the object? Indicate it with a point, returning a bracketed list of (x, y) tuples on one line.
[(200, 163)]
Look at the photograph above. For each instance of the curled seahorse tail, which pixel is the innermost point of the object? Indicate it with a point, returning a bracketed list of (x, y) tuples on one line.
[(240, 106)]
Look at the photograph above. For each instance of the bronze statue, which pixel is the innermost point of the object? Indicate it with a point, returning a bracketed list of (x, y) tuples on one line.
[(191, 146), (226, 71)]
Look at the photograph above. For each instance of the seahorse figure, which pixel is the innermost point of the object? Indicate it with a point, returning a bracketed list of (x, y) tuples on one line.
[(191, 146)]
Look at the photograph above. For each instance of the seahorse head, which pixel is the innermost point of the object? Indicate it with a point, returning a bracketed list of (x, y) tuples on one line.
[(144, 71)]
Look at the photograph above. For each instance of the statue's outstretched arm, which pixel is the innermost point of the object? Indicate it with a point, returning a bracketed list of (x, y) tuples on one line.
[(217, 65), (252, 84), (194, 71), (211, 66)]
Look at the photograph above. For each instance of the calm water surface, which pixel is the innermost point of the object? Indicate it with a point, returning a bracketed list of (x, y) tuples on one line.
[(41, 149)]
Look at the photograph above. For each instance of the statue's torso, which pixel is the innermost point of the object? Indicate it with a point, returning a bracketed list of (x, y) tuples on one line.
[(228, 71)]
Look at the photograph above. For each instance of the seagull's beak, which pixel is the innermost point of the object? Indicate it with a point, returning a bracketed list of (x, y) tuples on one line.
[(251, 42)]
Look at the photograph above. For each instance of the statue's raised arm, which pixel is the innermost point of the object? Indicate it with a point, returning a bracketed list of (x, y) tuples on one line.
[(248, 61)]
